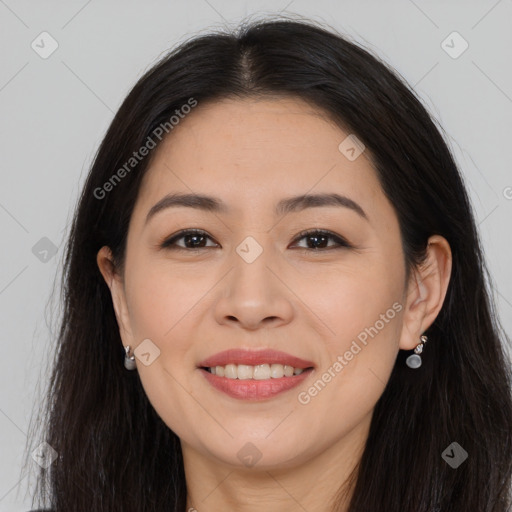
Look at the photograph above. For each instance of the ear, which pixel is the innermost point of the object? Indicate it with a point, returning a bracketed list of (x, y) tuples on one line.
[(115, 282), (426, 291)]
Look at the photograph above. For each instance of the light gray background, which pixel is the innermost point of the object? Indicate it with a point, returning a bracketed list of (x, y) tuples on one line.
[(55, 111)]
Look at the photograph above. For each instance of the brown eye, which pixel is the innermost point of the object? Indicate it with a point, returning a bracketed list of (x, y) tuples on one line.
[(193, 239), (318, 240)]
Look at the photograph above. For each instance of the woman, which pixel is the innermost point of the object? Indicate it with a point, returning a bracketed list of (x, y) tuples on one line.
[(276, 240)]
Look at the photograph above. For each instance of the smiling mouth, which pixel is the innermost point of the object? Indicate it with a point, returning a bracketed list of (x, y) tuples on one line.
[(257, 372)]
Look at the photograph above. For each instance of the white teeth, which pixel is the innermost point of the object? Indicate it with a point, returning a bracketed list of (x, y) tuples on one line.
[(258, 372), (261, 372), (276, 371), (288, 370), (230, 371), (245, 371)]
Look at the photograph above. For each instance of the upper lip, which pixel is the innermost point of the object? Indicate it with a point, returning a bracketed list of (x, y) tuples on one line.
[(253, 358)]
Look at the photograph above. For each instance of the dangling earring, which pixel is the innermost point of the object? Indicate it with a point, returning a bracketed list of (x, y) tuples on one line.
[(414, 360), (129, 362)]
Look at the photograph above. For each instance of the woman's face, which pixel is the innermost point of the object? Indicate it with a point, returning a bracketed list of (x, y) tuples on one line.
[(249, 281)]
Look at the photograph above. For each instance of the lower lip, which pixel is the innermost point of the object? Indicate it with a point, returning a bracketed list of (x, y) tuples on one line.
[(251, 389)]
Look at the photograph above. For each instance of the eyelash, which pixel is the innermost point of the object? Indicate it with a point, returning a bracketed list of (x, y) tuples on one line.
[(342, 243)]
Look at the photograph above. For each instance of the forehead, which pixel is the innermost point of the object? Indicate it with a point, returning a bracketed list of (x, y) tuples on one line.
[(245, 150)]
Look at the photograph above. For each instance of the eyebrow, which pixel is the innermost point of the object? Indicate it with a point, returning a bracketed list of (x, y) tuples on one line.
[(288, 205)]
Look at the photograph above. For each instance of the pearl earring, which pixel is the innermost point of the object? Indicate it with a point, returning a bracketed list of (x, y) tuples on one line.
[(414, 360)]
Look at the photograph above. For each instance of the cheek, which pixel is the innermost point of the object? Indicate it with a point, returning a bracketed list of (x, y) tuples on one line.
[(158, 298), (161, 307), (364, 314), (351, 301)]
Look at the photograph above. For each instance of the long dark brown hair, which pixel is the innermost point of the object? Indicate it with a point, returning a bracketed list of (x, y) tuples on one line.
[(114, 451)]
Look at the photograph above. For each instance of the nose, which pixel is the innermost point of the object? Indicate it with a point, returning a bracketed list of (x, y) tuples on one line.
[(254, 294)]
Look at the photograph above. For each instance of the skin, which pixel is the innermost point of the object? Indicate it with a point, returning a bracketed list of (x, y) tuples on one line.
[(191, 305)]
